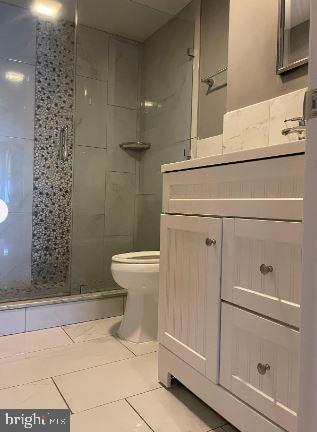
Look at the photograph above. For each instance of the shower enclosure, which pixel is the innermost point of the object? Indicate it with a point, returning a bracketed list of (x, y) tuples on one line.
[(76, 82)]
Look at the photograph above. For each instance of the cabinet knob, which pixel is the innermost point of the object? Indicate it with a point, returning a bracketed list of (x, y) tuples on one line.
[(265, 269), (210, 242), (263, 368)]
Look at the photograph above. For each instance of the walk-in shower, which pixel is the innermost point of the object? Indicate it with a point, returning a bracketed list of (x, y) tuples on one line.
[(81, 91)]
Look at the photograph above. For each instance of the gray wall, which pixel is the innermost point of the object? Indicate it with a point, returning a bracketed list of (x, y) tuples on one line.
[(214, 56), (252, 55)]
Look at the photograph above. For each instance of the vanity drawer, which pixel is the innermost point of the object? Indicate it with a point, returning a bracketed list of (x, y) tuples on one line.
[(260, 364), (266, 188), (262, 267)]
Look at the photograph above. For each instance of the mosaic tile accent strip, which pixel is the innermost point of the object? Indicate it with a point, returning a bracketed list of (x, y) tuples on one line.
[(52, 207)]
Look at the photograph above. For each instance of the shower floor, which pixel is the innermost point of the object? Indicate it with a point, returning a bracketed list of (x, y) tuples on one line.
[(107, 384), (30, 292)]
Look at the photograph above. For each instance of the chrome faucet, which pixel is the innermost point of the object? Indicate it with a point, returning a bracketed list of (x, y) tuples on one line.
[(300, 129)]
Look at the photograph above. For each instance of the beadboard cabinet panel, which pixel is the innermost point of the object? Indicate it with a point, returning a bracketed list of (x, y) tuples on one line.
[(267, 188), (260, 364), (189, 303), (275, 290)]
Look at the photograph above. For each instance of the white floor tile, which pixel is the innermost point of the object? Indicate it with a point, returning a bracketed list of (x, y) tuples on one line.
[(25, 368), (40, 395), (93, 329), (98, 386), (140, 348), (117, 417), (33, 341), (176, 410)]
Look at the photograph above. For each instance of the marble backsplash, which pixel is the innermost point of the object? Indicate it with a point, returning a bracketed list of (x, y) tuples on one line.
[(254, 126), (261, 125)]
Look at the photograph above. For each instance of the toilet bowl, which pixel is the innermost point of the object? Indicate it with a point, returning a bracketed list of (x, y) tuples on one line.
[(138, 272)]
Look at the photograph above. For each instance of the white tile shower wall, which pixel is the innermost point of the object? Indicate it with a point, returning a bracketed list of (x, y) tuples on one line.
[(16, 173), (17, 82), (166, 117), (119, 207), (17, 34), (124, 60), (260, 125), (91, 111), (15, 258), (88, 265), (92, 53), (107, 100)]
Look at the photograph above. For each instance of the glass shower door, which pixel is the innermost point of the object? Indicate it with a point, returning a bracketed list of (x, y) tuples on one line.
[(36, 106)]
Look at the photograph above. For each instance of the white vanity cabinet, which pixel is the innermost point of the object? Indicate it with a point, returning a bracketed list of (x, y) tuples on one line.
[(230, 283), (190, 290), (260, 364), (262, 267)]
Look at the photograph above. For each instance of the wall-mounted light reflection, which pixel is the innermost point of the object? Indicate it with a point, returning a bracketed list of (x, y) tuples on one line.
[(3, 211), (48, 8), (15, 77), (149, 104)]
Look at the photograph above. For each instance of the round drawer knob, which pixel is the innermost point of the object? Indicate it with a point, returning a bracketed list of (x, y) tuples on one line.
[(210, 242), (263, 368), (265, 269)]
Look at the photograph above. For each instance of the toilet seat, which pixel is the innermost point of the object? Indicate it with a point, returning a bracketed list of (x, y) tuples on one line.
[(147, 257)]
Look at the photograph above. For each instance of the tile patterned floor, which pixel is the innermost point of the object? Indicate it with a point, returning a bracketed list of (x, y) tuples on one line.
[(104, 381)]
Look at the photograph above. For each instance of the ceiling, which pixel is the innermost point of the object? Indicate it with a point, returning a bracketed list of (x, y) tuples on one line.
[(134, 19), (68, 10)]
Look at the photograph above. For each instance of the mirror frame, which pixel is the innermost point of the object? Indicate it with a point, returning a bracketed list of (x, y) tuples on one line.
[(280, 67)]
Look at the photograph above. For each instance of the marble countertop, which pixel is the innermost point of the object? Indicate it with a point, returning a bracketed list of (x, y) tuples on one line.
[(295, 147)]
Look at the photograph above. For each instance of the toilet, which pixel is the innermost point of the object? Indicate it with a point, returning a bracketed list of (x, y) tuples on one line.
[(138, 273)]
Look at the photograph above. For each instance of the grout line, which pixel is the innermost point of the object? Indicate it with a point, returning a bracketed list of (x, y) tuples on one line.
[(117, 400), (61, 395), (62, 328), (139, 414), (101, 365), (78, 370), (66, 373), (121, 343)]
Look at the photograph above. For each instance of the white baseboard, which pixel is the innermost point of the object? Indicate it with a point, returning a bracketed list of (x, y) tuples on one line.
[(30, 318)]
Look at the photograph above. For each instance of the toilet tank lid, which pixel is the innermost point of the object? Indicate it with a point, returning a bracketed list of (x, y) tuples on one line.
[(146, 257)]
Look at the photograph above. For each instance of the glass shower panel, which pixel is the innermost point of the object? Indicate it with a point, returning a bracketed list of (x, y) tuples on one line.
[(105, 176), (133, 85), (166, 116), (36, 106)]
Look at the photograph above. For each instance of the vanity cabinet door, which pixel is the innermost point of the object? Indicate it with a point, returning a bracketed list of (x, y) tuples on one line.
[(260, 364), (262, 267), (189, 304)]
